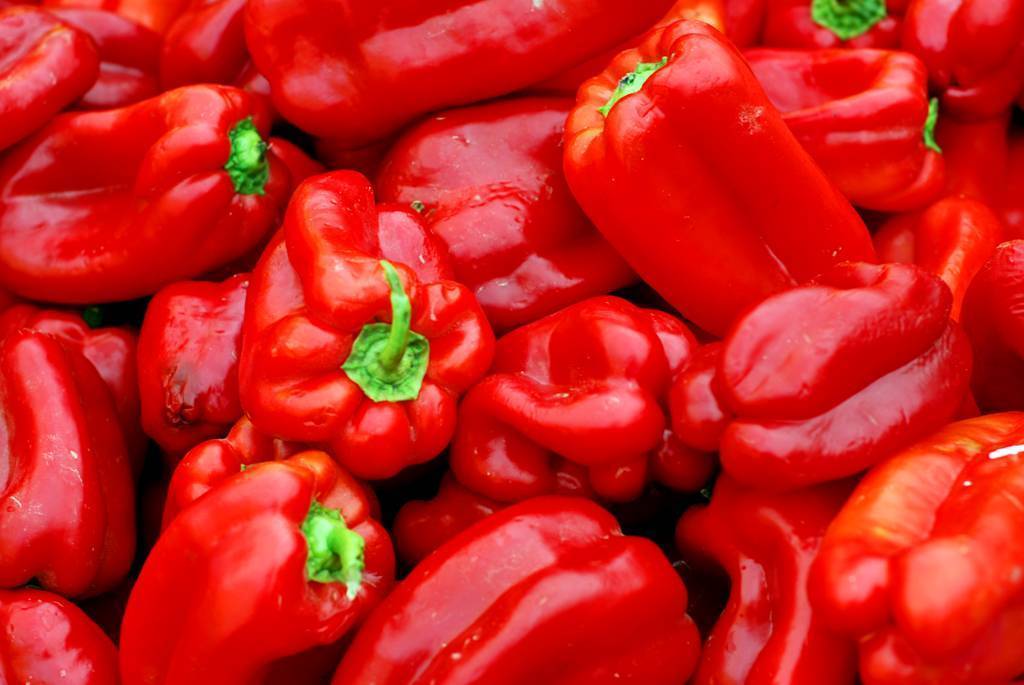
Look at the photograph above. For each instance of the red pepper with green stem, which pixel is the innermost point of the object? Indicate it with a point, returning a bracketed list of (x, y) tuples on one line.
[(682, 177), (811, 24)]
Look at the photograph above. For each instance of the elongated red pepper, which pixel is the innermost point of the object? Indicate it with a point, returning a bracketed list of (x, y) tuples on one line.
[(284, 554), (186, 186), (353, 336), (864, 117), (559, 595), (810, 24), (922, 563), (156, 15), (67, 497), (690, 168), (768, 634), (48, 640), (489, 182)]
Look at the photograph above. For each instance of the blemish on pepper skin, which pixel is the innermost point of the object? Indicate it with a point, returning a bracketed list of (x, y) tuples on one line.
[(750, 117), (538, 4)]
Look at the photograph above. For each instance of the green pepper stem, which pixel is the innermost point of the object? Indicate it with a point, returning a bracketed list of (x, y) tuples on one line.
[(335, 551), (401, 319), (632, 82), (247, 166), (847, 18)]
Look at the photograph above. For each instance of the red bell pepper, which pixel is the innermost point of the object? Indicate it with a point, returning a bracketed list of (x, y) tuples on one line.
[(676, 193), (155, 15), (699, 416), (558, 595), (823, 381), (186, 185), (206, 44), (810, 24), (356, 71), (488, 181), (976, 154), (768, 634), (923, 562), (46, 65), (974, 51), (353, 335), (865, 118), (1011, 201), (67, 498), (585, 385), (47, 640), (276, 562)]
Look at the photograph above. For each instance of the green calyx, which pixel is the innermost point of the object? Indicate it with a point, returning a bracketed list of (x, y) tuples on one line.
[(928, 133), (93, 316), (632, 82), (247, 166), (847, 18), (335, 551), (389, 361)]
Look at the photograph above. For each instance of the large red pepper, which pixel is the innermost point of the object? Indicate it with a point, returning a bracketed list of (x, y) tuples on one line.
[(45, 65), (865, 118), (356, 71), (185, 185), (47, 640), (66, 495), (768, 634), (156, 15), (489, 182), (277, 562), (558, 595), (353, 336), (923, 562), (713, 201), (810, 24)]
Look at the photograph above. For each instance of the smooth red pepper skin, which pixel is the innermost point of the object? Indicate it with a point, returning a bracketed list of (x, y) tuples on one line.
[(188, 362), (156, 15), (559, 595), (47, 640), (490, 185), (1011, 201), (788, 24), (977, 156), (699, 416), (691, 167), (45, 65), (861, 115), (67, 495), (828, 379), (238, 553), (206, 44), (161, 207), (922, 563), (319, 282), (769, 634)]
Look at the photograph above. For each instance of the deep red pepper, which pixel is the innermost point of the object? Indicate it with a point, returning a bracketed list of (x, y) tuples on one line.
[(976, 154), (558, 595), (768, 634), (489, 183), (1011, 201), (690, 168), (699, 416), (206, 44), (156, 15), (810, 24)]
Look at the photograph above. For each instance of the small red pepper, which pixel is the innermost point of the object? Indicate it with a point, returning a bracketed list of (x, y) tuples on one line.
[(675, 193), (156, 15), (557, 595), (48, 640), (810, 24)]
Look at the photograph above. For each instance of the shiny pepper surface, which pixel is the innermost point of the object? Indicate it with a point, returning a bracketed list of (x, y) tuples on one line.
[(810, 24), (156, 15)]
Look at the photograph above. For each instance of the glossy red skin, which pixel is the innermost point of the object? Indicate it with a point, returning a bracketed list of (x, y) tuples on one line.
[(974, 51), (491, 182), (317, 285), (976, 154), (558, 596), (820, 397), (188, 362), (156, 15), (129, 56), (161, 207), (45, 65), (922, 562), (353, 71), (47, 640), (769, 634), (860, 114), (67, 492), (1011, 202), (238, 554), (690, 167), (585, 385), (206, 44), (788, 24), (699, 415)]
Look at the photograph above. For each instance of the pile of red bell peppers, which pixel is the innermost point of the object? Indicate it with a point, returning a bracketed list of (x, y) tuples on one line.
[(511, 342)]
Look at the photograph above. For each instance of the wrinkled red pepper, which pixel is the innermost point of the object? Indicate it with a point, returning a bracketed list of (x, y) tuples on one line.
[(155, 15), (353, 335), (865, 118), (768, 634), (48, 640), (923, 562), (690, 168), (286, 557), (489, 183), (810, 24), (186, 185), (558, 595), (67, 498)]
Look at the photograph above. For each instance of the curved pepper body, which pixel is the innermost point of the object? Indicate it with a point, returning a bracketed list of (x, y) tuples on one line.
[(558, 595), (683, 149), (977, 156), (206, 44), (156, 15), (790, 24), (1011, 201)]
